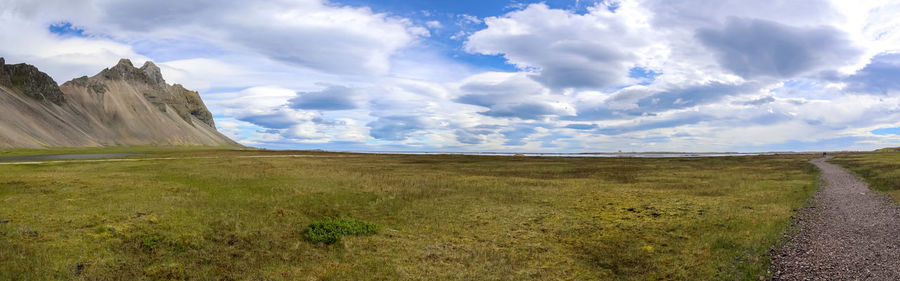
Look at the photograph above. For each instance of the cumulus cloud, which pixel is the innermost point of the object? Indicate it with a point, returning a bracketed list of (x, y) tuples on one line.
[(269, 111), (755, 48), (475, 135), (643, 75), (692, 95), (698, 13), (881, 76), (493, 88), (642, 101), (517, 135), (62, 57), (565, 50), (579, 126), (276, 120), (397, 128), (511, 95), (757, 102), (331, 98), (311, 33), (525, 110), (655, 123)]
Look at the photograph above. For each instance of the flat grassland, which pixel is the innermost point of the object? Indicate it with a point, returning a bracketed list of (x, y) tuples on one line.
[(219, 215), (881, 170)]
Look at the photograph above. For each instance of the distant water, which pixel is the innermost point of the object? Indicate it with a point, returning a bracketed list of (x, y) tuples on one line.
[(63, 157), (622, 154)]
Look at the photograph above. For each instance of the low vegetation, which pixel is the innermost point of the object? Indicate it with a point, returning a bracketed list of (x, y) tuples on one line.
[(881, 170), (219, 215), (330, 231), (153, 150)]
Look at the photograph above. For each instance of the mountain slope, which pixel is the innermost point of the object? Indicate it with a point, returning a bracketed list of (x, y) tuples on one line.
[(122, 105)]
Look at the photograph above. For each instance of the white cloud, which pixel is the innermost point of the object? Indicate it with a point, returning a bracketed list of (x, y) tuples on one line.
[(564, 49), (759, 48), (433, 24), (310, 33), (63, 58), (377, 80)]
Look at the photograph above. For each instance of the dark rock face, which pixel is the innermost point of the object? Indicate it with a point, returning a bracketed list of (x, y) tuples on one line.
[(124, 70), (186, 103), (27, 80), (191, 104)]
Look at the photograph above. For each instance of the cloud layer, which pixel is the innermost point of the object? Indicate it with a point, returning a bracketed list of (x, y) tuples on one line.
[(634, 75), (753, 48)]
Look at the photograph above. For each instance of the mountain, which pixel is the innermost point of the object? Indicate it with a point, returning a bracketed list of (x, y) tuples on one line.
[(120, 106)]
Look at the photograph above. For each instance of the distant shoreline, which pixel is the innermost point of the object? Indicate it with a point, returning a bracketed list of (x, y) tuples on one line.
[(591, 154)]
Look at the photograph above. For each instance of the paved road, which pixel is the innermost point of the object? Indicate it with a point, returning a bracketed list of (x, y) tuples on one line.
[(848, 233)]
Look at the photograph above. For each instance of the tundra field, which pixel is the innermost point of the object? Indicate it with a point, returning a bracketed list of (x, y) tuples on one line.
[(202, 214), (880, 170)]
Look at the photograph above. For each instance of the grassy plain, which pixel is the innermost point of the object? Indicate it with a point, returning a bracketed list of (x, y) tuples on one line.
[(440, 217), (881, 170), (150, 150)]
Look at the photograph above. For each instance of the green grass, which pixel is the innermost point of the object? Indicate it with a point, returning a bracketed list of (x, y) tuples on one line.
[(115, 149), (881, 170), (330, 231), (440, 217)]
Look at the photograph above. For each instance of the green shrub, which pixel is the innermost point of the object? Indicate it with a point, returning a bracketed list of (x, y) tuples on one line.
[(331, 230)]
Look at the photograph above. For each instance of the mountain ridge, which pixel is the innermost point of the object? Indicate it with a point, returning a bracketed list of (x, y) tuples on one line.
[(120, 106)]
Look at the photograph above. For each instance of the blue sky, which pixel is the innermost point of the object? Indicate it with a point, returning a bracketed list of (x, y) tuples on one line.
[(535, 76)]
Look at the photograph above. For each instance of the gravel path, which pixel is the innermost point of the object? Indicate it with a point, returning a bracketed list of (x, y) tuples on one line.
[(848, 233)]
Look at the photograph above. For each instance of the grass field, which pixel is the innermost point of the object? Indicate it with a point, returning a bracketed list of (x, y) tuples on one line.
[(149, 150), (880, 169), (438, 217)]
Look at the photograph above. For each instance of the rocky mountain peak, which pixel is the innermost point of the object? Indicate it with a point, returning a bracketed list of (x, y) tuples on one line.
[(125, 63), (120, 69), (27, 80), (153, 73), (186, 103), (124, 70), (122, 105)]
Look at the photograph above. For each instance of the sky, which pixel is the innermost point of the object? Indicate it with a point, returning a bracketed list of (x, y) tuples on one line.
[(499, 75)]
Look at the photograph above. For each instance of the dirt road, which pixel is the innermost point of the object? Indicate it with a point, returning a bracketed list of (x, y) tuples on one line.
[(848, 233)]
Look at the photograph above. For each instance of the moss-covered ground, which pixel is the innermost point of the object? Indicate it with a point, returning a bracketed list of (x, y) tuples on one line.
[(219, 215)]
